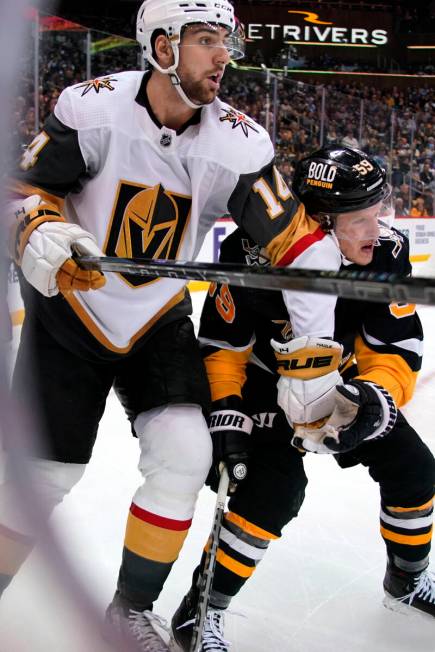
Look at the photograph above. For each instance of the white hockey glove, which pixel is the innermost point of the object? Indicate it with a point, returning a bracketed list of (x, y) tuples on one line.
[(363, 411), (42, 245), (308, 367)]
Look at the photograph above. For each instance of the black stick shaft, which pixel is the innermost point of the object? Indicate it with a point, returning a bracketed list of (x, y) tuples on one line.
[(361, 285)]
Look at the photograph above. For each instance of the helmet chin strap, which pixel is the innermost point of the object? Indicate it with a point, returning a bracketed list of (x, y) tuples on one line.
[(173, 76), (176, 82)]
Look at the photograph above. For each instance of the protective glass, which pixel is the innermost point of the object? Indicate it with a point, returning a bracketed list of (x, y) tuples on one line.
[(211, 37), (364, 224), (386, 214)]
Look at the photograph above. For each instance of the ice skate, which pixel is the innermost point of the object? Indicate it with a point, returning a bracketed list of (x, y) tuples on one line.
[(143, 631), (409, 592), (182, 628)]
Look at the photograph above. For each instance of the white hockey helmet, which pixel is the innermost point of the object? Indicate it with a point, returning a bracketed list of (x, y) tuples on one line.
[(172, 15)]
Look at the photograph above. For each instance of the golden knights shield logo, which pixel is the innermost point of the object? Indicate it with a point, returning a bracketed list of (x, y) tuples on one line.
[(147, 222)]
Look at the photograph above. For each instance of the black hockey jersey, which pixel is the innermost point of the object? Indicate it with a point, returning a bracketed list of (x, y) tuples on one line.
[(382, 342)]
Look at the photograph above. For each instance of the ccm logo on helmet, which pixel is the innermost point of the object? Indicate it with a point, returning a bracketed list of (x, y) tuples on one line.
[(321, 175)]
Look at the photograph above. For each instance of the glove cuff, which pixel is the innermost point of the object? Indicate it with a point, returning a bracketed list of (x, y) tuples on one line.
[(306, 358), (230, 402), (27, 223), (389, 411), (222, 420)]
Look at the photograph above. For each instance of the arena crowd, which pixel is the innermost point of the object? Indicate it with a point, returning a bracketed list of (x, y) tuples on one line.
[(395, 125)]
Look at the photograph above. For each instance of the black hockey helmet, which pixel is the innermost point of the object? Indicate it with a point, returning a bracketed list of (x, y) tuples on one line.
[(337, 179)]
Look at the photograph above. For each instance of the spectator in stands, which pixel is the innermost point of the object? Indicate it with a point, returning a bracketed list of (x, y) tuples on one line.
[(404, 194), (399, 207), (349, 140), (429, 198), (286, 171), (427, 175), (63, 62), (331, 135), (405, 166), (418, 208)]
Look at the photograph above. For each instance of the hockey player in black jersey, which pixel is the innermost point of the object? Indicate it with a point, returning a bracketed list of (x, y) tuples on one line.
[(377, 350)]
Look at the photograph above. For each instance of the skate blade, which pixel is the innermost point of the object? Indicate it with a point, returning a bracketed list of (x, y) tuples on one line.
[(404, 609)]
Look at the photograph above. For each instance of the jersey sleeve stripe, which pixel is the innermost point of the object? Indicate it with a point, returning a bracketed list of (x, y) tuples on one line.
[(226, 371), (22, 189), (414, 345), (300, 246), (387, 369)]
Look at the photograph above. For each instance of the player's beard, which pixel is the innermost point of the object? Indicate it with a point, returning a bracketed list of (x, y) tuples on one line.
[(197, 91)]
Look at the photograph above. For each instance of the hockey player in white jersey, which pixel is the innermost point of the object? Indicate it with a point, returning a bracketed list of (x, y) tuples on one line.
[(136, 164)]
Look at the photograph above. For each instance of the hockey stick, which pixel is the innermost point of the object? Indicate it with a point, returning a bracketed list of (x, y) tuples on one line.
[(210, 562), (369, 286)]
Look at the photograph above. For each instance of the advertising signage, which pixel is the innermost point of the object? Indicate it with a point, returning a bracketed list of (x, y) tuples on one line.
[(323, 27)]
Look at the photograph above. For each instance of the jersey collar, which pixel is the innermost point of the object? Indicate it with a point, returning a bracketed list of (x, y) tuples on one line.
[(142, 100)]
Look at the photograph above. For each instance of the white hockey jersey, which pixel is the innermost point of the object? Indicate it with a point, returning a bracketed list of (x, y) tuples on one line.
[(148, 191)]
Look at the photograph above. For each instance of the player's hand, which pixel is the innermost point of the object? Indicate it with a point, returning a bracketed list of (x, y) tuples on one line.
[(43, 243), (308, 368), (363, 411), (230, 431)]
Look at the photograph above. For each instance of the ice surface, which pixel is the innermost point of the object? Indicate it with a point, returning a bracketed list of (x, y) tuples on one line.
[(318, 589)]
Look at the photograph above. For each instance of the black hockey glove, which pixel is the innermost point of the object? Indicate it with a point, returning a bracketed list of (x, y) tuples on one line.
[(363, 411), (230, 431)]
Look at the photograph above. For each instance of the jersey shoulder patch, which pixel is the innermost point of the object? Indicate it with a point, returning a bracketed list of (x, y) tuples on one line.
[(96, 102), (234, 119), (97, 85), (238, 142), (238, 247), (392, 250)]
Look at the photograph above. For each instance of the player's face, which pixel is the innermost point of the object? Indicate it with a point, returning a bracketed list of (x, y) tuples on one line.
[(357, 233), (203, 58)]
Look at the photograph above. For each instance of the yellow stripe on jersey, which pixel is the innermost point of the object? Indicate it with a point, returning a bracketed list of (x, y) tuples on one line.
[(153, 542), (25, 189), (290, 243), (249, 527), (99, 335), (419, 508), (226, 372), (387, 369), (407, 539)]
